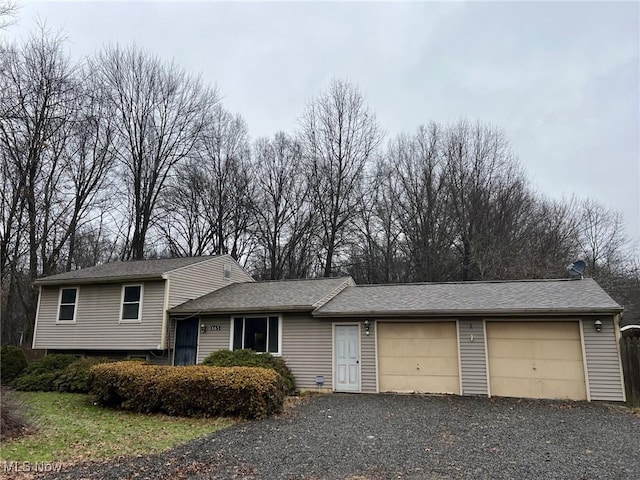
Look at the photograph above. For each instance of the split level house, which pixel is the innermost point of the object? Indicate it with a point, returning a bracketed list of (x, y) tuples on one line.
[(533, 339)]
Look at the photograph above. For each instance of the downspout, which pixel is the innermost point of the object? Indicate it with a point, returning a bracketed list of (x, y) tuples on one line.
[(165, 315), (618, 335), (35, 326)]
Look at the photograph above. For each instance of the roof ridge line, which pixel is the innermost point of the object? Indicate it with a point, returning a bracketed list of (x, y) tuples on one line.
[(302, 279), (473, 282)]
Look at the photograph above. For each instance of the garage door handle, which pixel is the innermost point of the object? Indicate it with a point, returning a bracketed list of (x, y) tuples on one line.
[(357, 361)]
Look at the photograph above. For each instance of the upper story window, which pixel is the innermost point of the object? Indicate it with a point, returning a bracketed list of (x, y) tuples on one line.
[(131, 303), (226, 271), (260, 334), (68, 304)]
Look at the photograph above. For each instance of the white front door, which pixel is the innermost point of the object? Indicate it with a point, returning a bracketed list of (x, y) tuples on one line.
[(347, 359)]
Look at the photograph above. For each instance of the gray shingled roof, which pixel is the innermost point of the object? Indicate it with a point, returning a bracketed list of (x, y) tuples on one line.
[(283, 295), (122, 270), (517, 297)]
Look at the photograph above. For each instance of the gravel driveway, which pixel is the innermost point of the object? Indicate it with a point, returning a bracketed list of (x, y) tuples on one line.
[(359, 437)]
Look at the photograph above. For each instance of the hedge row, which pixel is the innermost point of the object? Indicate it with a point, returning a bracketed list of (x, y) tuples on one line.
[(194, 390), (56, 373)]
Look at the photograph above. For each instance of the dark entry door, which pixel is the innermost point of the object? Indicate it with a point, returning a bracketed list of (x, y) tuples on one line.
[(186, 341)]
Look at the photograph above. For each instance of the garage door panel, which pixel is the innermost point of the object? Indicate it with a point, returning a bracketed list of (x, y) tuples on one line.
[(540, 389), (540, 330), (540, 369), (536, 360), (420, 366), (421, 384), (418, 347), (416, 330), (532, 349), (418, 357)]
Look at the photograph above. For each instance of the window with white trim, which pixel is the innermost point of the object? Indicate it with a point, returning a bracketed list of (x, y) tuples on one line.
[(68, 304), (260, 334), (131, 310)]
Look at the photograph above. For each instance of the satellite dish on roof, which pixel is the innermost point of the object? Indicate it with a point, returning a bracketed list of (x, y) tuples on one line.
[(576, 269)]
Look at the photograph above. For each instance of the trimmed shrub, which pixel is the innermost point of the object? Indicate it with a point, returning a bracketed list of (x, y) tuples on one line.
[(195, 390), (41, 375), (249, 358), (12, 421), (12, 362), (74, 378), (128, 385)]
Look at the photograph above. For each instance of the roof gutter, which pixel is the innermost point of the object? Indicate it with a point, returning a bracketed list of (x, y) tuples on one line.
[(95, 280), (455, 313), (242, 310)]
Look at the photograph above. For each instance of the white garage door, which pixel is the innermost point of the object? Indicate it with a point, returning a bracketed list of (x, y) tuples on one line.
[(418, 357), (536, 360)]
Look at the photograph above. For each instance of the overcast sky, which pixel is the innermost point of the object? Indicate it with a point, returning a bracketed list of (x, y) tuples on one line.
[(561, 79)]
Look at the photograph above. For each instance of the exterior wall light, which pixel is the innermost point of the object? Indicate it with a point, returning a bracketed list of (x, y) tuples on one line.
[(203, 328), (597, 325), (367, 325)]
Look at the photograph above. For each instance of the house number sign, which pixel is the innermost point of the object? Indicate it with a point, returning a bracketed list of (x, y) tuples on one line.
[(216, 328)]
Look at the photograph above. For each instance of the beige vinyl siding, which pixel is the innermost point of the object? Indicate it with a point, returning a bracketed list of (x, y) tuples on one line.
[(97, 325), (211, 341), (306, 347), (368, 360), (196, 280), (603, 360), (473, 357)]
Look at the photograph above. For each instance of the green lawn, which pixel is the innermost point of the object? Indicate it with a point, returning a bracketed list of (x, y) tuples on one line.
[(72, 429)]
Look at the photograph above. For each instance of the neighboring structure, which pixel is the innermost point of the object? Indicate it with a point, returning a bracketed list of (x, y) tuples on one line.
[(537, 339), (120, 309)]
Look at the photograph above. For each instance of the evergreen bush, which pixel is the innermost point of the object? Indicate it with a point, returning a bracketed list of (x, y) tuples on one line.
[(249, 358), (12, 363), (74, 378), (42, 374)]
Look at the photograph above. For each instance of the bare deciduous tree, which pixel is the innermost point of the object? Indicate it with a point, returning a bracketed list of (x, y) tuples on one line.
[(340, 135), (52, 167), (486, 191), (8, 13), (283, 215), (209, 202), (159, 112), (224, 154), (547, 242), (185, 221), (376, 254), (37, 101), (601, 239), (426, 218), (91, 157)]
